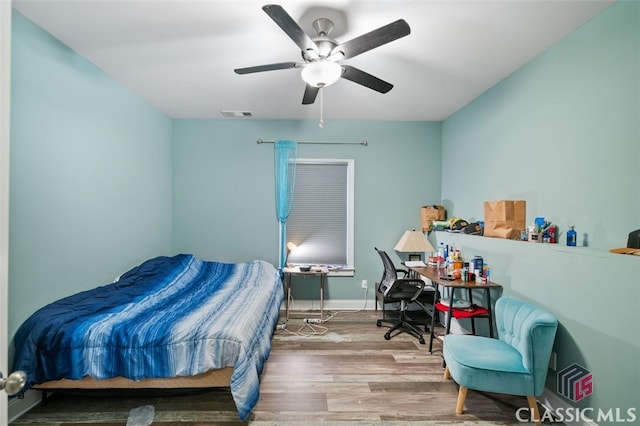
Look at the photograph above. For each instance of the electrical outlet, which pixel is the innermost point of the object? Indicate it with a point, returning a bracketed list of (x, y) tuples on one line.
[(364, 283), (552, 361)]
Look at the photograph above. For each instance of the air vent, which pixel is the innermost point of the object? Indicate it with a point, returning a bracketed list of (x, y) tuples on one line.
[(237, 114)]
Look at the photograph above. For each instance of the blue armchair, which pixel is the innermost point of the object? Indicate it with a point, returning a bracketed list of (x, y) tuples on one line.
[(516, 363)]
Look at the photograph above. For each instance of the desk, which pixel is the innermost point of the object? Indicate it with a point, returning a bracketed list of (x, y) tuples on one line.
[(288, 273), (436, 275)]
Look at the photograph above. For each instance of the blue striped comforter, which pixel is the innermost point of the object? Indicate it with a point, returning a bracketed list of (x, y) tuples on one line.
[(169, 316)]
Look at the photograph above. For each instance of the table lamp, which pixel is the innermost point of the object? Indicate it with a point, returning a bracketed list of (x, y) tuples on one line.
[(414, 242)]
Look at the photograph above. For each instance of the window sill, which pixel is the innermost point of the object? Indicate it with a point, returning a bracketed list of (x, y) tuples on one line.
[(342, 273)]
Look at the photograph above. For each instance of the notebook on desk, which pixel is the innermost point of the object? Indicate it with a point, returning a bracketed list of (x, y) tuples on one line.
[(414, 264)]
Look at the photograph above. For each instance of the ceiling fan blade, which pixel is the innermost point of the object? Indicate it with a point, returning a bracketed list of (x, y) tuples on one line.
[(269, 67), (310, 94), (373, 39), (290, 27), (358, 76)]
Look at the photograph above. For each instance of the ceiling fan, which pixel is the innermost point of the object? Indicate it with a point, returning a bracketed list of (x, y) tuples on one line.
[(321, 54)]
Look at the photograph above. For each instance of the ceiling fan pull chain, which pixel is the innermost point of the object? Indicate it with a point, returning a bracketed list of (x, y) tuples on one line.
[(321, 124)]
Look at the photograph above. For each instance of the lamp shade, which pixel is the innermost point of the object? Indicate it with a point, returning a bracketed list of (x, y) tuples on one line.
[(414, 242), (291, 246), (321, 73)]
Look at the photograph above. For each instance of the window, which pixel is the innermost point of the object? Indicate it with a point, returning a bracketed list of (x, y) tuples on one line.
[(321, 218)]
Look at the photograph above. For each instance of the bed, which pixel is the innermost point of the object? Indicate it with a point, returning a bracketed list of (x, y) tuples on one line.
[(171, 322)]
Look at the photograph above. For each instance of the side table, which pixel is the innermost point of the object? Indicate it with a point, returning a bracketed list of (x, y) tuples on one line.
[(295, 272)]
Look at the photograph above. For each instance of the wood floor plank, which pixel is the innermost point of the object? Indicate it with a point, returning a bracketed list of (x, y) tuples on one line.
[(423, 387), (293, 401), (313, 359), (358, 346), (315, 386)]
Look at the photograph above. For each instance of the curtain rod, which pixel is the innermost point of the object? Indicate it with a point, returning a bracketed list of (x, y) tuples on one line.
[(363, 143)]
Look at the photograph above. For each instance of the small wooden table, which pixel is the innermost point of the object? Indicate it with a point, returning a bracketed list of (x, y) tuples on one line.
[(288, 273), (439, 278)]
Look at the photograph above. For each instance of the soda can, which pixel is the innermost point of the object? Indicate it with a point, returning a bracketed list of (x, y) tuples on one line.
[(478, 262)]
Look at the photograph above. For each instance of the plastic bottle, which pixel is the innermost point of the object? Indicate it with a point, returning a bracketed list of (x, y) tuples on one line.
[(449, 266), (552, 234), (441, 255), (457, 260), (572, 236)]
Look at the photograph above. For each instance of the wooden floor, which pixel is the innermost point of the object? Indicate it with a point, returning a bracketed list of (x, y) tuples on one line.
[(341, 372)]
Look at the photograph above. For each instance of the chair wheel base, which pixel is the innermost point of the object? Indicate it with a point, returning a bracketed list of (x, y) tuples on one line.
[(387, 336)]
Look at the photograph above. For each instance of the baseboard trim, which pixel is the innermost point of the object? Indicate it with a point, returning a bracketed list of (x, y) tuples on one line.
[(333, 305), (19, 406), (339, 305)]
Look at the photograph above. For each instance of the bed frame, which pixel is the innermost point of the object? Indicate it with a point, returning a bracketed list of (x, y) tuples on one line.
[(211, 379)]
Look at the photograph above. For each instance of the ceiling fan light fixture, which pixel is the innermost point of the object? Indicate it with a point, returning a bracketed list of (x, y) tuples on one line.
[(321, 73)]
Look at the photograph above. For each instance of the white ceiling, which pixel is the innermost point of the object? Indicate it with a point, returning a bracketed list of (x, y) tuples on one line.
[(180, 55)]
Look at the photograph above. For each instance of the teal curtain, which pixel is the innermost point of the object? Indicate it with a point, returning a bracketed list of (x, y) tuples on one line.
[(285, 153)]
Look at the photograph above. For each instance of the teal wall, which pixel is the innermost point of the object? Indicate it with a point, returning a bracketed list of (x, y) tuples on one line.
[(224, 204), (563, 134), (90, 178)]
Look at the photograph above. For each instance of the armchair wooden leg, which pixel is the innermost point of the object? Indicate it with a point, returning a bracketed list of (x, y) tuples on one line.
[(447, 374), (462, 395), (533, 406)]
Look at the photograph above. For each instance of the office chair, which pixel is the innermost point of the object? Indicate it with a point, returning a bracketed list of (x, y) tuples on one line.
[(516, 363), (403, 290)]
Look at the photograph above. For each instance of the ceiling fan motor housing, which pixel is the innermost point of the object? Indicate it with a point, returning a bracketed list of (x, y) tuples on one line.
[(324, 44), (325, 47)]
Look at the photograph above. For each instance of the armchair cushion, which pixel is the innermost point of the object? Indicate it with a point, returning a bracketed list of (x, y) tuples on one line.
[(488, 364)]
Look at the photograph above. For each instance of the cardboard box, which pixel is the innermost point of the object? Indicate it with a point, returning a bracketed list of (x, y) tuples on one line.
[(505, 218), (429, 214)]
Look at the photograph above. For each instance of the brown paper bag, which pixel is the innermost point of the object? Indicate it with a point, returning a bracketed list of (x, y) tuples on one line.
[(505, 218), (431, 213)]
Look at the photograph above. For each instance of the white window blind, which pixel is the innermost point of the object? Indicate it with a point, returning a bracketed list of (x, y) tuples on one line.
[(321, 218)]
